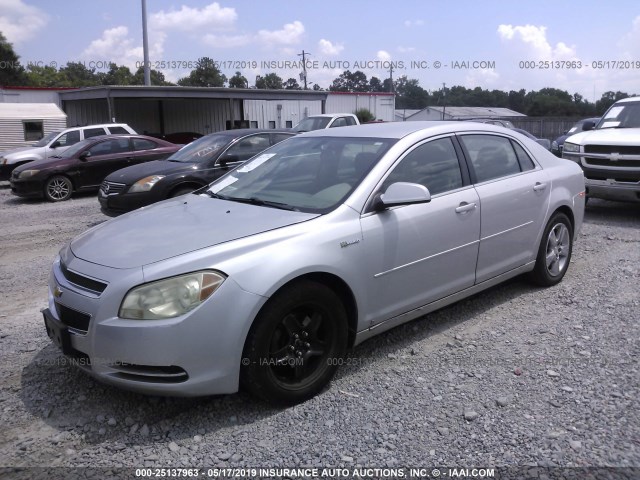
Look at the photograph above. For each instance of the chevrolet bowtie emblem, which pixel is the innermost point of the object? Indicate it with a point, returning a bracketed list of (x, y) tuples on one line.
[(615, 156), (57, 292)]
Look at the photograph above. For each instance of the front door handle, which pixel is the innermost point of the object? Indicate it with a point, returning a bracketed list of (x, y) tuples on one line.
[(538, 187), (465, 207)]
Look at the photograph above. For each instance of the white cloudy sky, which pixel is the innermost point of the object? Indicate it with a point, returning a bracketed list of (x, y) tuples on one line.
[(506, 33)]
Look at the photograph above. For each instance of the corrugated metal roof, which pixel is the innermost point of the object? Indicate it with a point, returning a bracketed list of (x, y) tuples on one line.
[(477, 112), (31, 111)]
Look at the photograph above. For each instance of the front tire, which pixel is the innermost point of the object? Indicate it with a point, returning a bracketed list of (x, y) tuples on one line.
[(58, 188), (554, 253), (294, 346)]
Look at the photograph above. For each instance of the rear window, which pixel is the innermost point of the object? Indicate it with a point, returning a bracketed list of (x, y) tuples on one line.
[(143, 144), (118, 130), (94, 132)]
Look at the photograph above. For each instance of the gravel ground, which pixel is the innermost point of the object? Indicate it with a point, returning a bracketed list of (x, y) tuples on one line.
[(515, 376)]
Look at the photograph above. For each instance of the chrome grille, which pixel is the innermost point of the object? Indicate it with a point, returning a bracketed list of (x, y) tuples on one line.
[(111, 188)]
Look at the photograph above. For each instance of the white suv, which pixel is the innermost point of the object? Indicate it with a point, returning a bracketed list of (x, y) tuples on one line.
[(326, 120), (610, 154), (56, 143)]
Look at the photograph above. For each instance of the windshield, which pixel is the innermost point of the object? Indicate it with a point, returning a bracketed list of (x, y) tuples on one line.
[(76, 148), (46, 139), (312, 175), (312, 123), (201, 150), (625, 115)]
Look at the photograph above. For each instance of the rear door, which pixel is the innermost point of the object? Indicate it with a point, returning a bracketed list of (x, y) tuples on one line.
[(514, 195)]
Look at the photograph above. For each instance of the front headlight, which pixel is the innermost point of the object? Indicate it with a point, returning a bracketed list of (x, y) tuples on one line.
[(27, 173), (145, 184), (171, 297), (554, 145), (571, 148)]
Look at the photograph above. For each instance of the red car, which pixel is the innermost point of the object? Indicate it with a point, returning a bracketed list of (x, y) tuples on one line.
[(84, 165)]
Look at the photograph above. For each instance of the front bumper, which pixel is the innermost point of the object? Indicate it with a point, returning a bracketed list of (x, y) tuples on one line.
[(27, 188), (611, 189), (117, 204), (195, 354)]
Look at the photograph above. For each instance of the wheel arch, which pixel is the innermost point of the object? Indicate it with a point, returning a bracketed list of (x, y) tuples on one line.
[(185, 184), (568, 212), (339, 287)]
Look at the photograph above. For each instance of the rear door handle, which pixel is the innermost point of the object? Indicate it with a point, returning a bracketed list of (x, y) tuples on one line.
[(538, 187), (465, 207)]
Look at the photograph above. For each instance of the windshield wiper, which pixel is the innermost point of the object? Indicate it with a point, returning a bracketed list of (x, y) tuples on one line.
[(215, 195), (260, 202)]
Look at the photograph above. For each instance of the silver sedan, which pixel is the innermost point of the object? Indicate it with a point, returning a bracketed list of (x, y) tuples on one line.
[(268, 276)]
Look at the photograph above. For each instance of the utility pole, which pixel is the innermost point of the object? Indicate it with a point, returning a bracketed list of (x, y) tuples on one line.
[(391, 78), (444, 98), (304, 67), (145, 45)]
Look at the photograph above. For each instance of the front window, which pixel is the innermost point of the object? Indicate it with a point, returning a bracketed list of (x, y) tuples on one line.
[(201, 150), (311, 175), (624, 115), (75, 149), (46, 139)]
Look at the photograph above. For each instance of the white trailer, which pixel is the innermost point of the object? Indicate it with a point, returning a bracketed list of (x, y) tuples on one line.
[(23, 124)]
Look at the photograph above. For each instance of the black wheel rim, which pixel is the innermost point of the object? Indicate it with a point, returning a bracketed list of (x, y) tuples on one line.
[(300, 346)]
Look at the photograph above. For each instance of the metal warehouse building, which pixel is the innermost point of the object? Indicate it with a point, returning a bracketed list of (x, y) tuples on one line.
[(165, 110)]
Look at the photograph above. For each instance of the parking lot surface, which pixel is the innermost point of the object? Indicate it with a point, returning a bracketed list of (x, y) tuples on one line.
[(516, 375)]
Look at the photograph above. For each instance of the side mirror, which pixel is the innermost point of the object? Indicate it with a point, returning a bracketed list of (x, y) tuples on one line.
[(84, 155), (55, 144), (565, 132), (402, 193), (590, 125)]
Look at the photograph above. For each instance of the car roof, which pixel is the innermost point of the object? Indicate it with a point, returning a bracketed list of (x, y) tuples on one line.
[(628, 100), (402, 129), (239, 132), (329, 115)]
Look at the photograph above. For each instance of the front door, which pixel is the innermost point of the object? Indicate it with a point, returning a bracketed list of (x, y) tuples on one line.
[(417, 254)]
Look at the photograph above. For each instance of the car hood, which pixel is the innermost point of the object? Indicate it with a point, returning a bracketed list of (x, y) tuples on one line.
[(607, 136), (132, 174), (20, 152), (175, 227)]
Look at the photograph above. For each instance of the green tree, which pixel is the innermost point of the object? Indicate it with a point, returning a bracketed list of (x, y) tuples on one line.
[(116, 75), (409, 94), (375, 85), (270, 81), (238, 81), (12, 72), (350, 82), (76, 74), (45, 76), (292, 84), (156, 77), (206, 74)]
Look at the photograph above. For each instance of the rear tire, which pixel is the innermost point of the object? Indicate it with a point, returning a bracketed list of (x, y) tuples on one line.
[(295, 344), (554, 253), (58, 188)]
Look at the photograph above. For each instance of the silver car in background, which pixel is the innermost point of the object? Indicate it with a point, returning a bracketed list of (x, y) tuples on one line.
[(267, 277)]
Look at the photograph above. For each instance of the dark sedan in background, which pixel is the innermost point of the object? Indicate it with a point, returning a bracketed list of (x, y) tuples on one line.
[(193, 167), (581, 126), (84, 165)]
